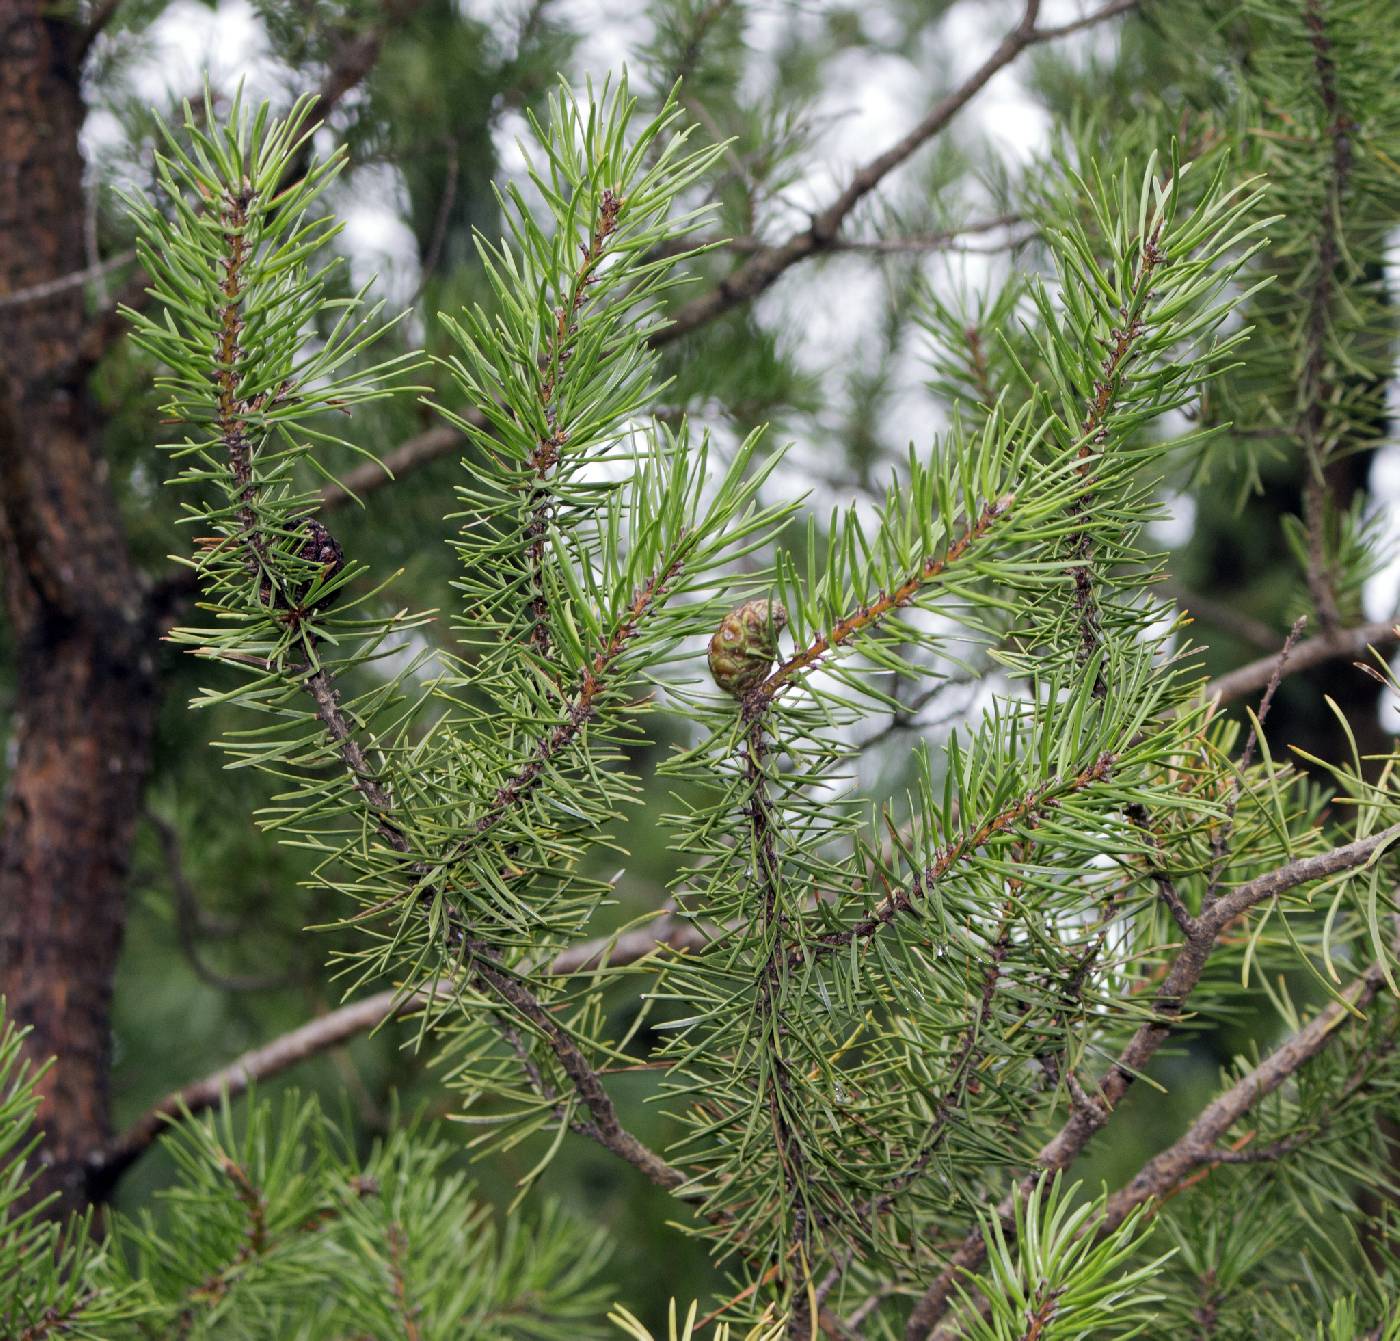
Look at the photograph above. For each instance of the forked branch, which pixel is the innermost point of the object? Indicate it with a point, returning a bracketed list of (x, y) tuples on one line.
[(1168, 1006), (765, 266)]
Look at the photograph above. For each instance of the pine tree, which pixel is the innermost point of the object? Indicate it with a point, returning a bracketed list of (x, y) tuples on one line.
[(889, 1015)]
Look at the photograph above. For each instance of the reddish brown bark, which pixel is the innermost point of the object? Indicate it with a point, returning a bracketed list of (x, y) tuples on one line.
[(85, 676)]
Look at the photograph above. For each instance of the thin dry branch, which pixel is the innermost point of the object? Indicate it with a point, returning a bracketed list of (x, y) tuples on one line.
[(1255, 676), (308, 1040), (765, 266), (36, 293), (668, 931), (1301, 872), (339, 1026), (1221, 614), (421, 449), (951, 239)]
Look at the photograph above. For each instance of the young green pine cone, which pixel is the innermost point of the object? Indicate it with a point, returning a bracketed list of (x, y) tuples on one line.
[(745, 645)]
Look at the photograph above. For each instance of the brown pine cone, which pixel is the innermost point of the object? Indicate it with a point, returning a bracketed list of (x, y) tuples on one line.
[(745, 645)]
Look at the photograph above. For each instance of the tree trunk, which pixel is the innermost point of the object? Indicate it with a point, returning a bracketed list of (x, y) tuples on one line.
[(85, 696)]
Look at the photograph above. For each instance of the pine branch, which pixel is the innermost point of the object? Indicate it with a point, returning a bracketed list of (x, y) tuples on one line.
[(1094, 437), (868, 616), (1024, 810), (580, 709), (264, 521), (398, 1284), (766, 266), (1167, 1007), (607, 1128), (544, 455), (233, 413), (966, 1056), (1199, 1147), (60, 1322), (168, 593), (769, 1022)]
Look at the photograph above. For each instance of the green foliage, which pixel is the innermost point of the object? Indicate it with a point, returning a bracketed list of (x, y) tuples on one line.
[(49, 1274), (266, 1211), (685, 1330), (274, 1229), (1052, 1280)]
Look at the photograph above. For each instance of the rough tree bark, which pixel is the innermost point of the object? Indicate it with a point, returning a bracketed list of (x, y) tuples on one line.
[(85, 692)]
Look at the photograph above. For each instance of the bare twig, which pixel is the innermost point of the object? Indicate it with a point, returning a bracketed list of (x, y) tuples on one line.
[(447, 198), (430, 445), (952, 239), (333, 1029), (1301, 872), (308, 1040), (668, 931), (347, 67), (1255, 676), (765, 266), (36, 293), (353, 60)]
